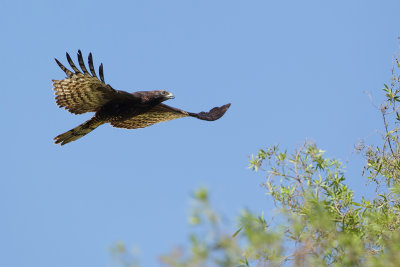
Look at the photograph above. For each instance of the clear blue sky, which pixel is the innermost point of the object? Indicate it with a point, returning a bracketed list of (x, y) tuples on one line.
[(293, 70)]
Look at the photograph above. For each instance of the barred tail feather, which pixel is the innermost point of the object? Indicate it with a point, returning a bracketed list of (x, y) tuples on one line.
[(78, 131)]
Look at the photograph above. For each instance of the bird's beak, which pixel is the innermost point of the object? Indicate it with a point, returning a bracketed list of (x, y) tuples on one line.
[(170, 96)]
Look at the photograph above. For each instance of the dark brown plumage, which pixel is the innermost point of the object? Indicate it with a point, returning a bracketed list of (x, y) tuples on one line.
[(83, 92)]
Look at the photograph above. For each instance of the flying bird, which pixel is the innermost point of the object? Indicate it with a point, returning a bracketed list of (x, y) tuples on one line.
[(82, 92)]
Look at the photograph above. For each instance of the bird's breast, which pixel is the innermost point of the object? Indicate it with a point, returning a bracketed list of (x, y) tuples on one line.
[(117, 110)]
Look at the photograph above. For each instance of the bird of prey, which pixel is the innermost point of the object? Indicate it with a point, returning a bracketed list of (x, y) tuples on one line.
[(82, 92)]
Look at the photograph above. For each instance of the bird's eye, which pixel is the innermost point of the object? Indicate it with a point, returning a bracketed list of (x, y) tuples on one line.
[(165, 93)]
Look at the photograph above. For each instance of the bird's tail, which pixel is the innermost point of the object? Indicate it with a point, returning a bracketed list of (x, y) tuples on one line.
[(78, 131)]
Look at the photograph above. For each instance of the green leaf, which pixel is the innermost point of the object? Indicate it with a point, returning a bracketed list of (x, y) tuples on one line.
[(237, 232)]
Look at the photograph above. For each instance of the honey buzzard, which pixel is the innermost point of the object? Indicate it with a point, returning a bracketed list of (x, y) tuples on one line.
[(83, 92)]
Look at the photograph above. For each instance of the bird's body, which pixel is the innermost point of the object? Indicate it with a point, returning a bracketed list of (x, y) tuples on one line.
[(125, 106), (84, 92)]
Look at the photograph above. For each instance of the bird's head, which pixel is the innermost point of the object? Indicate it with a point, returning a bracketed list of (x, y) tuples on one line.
[(153, 97), (164, 95)]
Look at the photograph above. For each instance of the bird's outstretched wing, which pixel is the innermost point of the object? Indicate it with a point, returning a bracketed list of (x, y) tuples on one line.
[(81, 91), (162, 112)]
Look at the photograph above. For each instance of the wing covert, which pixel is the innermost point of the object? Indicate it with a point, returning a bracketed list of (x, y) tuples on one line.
[(159, 113)]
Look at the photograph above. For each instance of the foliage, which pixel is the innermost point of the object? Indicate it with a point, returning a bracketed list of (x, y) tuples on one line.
[(210, 246), (319, 221), (123, 257)]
